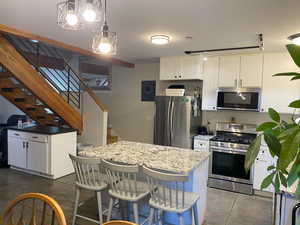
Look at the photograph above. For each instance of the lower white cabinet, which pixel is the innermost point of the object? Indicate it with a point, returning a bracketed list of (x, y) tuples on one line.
[(261, 164), (44, 155)]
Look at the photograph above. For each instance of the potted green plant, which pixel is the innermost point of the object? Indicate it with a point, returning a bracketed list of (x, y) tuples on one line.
[(283, 140)]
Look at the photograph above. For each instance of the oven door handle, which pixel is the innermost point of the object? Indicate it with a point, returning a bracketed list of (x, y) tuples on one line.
[(228, 150)]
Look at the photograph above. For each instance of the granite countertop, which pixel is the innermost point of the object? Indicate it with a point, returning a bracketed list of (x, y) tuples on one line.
[(48, 130), (166, 158)]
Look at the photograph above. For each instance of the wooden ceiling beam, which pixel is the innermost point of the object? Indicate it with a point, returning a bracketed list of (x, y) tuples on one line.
[(9, 30)]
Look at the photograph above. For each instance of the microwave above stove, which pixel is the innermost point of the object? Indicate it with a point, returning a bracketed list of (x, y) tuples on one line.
[(247, 99)]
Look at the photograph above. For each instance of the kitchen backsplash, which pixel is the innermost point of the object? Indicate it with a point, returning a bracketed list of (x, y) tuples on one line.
[(239, 116)]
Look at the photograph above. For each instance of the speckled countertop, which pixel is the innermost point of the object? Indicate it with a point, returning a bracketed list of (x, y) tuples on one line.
[(154, 156)]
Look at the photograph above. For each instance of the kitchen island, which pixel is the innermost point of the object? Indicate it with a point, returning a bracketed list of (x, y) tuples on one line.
[(169, 159)]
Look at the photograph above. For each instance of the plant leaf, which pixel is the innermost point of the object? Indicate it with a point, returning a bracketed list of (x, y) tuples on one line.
[(294, 51), (295, 78), (271, 168), (252, 152), (288, 132), (286, 74), (265, 126), (294, 172), (277, 183), (289, 150), (267, 181), (295, 104), (274, 115), (272, 142), (297, 193), (283, 179)]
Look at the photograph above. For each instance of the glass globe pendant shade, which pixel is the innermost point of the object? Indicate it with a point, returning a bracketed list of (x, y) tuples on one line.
[(105, 42), (91, 10), (68, 16), (295, 38)]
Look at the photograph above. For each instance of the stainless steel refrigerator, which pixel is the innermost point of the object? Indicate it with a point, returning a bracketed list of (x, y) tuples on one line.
[(176, 120)]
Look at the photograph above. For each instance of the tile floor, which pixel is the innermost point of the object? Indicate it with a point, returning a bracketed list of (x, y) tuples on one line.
[(224, 208)]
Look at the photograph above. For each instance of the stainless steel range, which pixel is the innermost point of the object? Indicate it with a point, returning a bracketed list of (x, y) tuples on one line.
[(228, 149)]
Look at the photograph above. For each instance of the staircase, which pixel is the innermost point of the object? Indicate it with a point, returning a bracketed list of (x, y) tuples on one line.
[(36, 78)]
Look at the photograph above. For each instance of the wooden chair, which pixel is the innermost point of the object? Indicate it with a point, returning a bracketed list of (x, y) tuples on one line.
[(89, 176), (118, 222), (25, 210), (168, 194), (124, 186)]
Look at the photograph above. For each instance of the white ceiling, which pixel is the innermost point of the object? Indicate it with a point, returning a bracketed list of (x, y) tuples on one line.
[(211, 23)]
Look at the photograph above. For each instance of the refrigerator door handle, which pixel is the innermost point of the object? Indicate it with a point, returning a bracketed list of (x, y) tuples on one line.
[(172, 120)]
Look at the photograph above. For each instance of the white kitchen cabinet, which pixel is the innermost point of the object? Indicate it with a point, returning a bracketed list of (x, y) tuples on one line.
[(229, 70), (251, 70), (181, 68), (40, 154), (261, 164), (210, 83), (278, 92), (241, 71), (17, 152)]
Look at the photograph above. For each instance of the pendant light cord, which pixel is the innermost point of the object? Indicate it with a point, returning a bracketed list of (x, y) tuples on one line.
[(105, 12)]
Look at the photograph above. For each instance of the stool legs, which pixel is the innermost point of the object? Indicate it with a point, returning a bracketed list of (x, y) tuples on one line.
[(161, 216), (151, 215), (195, 213), (77, 195), (99, 200), (181, 221), (136, 212), (111, 203)]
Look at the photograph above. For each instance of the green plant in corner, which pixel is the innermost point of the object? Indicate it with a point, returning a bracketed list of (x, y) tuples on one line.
[(283, 140)]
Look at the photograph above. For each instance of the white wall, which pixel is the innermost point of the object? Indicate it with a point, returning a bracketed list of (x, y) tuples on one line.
[(130, 118), (7, 109)]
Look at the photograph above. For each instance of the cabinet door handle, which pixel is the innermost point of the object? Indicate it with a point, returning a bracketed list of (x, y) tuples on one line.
[(16, 134), (24, 144), (35, 137), (27, 145)]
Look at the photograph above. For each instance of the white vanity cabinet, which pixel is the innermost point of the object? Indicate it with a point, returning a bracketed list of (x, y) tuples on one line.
[(181, 68), (40, 154), (243, 71)]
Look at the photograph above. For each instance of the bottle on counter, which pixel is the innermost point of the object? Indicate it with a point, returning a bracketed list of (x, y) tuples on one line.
[(20, 123)]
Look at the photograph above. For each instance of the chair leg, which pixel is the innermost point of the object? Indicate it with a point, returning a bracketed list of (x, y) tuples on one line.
[(100, 212), (161, 217), (111, 203), (192, 216), (77, 195), (181, 222), (151, 215), (195, 210), (136, 212)]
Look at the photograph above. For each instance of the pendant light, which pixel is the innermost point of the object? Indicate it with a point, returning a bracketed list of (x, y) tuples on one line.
[(105, 41), (68, 16), (91, 10)]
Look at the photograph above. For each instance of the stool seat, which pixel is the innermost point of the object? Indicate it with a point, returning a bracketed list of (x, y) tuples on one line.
[(190, 199)]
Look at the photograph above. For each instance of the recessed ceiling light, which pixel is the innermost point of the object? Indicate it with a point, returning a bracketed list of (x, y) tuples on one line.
[(295, 38), (160, 39), (205, 58)]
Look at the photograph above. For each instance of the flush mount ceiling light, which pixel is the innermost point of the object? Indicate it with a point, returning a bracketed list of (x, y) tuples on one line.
[(105, 41), (295, 38), (68, 16), (91, 10), (160, 39)]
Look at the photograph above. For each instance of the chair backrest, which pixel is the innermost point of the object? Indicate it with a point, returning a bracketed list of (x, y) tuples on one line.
[(166, 188), (122, 178), (118, 222), (89, 171), (33, 209)]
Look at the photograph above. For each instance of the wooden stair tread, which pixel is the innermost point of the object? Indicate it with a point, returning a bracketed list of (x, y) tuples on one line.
[(5, 75)]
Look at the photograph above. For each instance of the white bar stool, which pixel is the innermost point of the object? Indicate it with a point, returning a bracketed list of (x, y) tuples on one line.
[(89, 177), (124, 186), (167, 194)]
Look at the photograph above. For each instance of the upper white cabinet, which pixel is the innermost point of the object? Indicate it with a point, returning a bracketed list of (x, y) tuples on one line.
[(229, 71), (278, 92), (251, 70), (210, 83), (241, 71), (181, 68)]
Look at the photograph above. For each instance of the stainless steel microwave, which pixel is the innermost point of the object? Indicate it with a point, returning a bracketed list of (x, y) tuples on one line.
[(247, 99)]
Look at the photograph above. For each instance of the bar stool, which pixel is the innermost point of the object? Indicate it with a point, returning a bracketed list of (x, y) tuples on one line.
[(89, 177), (167, 194), (118, 222), (124, 186)]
